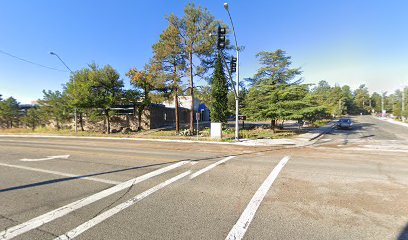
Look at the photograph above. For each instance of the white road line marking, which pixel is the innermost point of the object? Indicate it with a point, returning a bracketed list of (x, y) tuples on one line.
[(196, 174), (60, 173), (44, 159), (239, 229), (14, 231), (109, 213)]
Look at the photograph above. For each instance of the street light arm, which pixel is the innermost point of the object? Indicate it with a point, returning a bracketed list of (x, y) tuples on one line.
[(53, 53), (233, 30)]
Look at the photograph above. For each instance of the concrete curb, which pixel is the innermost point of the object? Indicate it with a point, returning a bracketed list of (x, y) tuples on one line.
[(243, 142), (113, 138)]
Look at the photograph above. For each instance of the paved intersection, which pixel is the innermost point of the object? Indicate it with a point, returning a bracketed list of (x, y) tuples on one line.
[(349, 185)]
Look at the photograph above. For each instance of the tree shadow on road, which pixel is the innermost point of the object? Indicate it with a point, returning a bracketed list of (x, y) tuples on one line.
[(348, 132), (57, 180)]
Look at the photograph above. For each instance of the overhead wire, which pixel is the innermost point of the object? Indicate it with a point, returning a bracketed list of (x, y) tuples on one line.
[(31, 62)]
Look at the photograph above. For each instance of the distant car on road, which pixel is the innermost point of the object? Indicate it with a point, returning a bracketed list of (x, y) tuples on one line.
[(344, 123)]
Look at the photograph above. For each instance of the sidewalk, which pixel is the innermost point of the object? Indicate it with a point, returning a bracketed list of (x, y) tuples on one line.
[(301, 140), (392, 121)]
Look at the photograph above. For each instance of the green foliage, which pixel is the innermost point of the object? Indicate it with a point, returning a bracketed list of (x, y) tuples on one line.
[(376, 102), (33, 118), (55, 107), (9, 111), (93, 91), (144, 81), (337, 100), (107, 89), (361, 99), (275, 69), (169, 56), (243, 91), (194, 29), (203, 93), (275, 92), (219, 92)]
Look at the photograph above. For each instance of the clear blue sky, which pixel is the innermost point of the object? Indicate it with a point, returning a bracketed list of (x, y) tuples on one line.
[(345, 42)]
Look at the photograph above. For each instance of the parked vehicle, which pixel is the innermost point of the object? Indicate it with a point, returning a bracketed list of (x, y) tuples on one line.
[(344, 123)]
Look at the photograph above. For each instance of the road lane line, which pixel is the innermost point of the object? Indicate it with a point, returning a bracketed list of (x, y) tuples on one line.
[(14, 231), (109, 213), (60, 173), (44, 159), (239, 229), (196, 174)]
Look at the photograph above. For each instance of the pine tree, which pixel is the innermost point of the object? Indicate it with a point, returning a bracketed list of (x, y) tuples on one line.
[(168, 54), (219, 93), (271, 95), (194, 29)]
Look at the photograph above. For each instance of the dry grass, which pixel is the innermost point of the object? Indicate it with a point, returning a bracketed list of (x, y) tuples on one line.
[(204, 135)]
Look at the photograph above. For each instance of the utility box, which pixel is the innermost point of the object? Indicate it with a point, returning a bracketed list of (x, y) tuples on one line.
[(216, 130)]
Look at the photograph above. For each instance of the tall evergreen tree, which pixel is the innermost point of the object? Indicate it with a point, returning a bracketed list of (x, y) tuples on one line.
[(361, 99), (270, 87), (55, 108), (169, 55), (9, 111), (219, 93), (33, 118), (194, 29)]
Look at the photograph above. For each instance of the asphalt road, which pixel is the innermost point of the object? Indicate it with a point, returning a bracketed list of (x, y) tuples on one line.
[(349, 185)]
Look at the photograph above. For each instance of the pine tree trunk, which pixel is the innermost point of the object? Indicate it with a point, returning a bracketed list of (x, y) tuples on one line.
[(81, 121), (273, 125), (107, 122), (139, 117), (176, 104), (192, 94)]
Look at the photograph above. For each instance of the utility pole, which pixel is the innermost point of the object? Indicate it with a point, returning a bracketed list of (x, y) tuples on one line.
[(75, 109)]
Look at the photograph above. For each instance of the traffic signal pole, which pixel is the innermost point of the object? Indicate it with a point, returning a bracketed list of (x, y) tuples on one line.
[(236, 75), (237, 100)]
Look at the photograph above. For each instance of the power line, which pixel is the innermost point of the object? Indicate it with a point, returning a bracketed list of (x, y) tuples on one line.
[(31, 62)]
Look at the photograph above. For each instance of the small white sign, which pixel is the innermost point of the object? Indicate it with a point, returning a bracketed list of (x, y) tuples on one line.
[(216, 130)]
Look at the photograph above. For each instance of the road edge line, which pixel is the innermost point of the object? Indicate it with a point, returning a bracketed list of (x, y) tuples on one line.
[(60, 173)]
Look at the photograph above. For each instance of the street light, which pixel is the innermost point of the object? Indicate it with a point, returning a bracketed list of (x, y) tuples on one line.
[(53, 53), (237, 77), (75, 109)]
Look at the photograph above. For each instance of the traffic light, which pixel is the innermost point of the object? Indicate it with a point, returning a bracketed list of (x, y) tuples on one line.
[(233, 65), (221, 38)]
